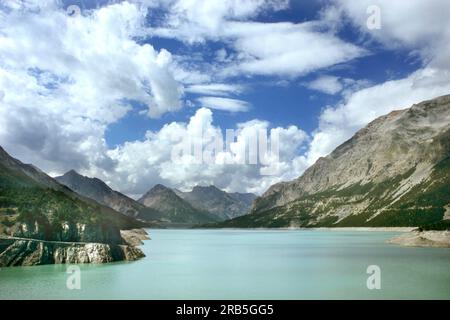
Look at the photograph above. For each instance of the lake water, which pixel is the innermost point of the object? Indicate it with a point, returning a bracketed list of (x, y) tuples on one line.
[(248, 264)]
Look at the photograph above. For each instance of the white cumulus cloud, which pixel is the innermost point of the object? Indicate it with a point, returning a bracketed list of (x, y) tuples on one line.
[(65, 79), (141, 164)]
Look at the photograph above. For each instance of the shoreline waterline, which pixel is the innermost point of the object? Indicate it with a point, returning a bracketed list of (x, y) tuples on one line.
[(379, 229)]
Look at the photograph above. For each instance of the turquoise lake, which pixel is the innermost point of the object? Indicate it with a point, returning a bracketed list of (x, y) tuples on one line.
[(248, 264)]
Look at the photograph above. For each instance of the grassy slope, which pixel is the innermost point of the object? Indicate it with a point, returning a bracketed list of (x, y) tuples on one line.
[(422, 205)]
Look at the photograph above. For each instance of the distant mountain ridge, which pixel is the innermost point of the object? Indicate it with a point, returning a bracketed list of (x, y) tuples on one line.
[(393, 172), (218, 202), (173, 208), (162, 204), (99, 191)]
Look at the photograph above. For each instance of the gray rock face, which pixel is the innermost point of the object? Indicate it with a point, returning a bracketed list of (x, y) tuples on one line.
[(66, 232), (393, 172), (134, 237), (27, 252), (218, 202)]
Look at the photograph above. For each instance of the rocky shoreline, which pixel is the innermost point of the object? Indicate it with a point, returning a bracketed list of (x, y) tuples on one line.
[(29, 252), (416, 238), (375, 229), (381, 229), (134, 237)]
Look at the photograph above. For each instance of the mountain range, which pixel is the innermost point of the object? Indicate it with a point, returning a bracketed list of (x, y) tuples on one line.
[(96, 189), (174, 209), (222, 204), (163, 206), (393, 172)]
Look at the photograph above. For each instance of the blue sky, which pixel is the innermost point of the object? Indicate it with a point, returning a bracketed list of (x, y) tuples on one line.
[(285, 101), (110, 88)]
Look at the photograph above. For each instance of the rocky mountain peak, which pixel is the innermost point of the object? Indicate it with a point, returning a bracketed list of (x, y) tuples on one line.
[(76, 181), (72, 173), (208, 189), (160, 187)]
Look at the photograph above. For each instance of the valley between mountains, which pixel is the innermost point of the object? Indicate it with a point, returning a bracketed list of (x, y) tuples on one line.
[(395, 172)]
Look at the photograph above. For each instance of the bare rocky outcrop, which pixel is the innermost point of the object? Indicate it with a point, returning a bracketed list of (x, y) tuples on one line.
[(447, 212), (66, 231), (134, 237), (438, 239), (30, 252), (17, 251), (20, 250)]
